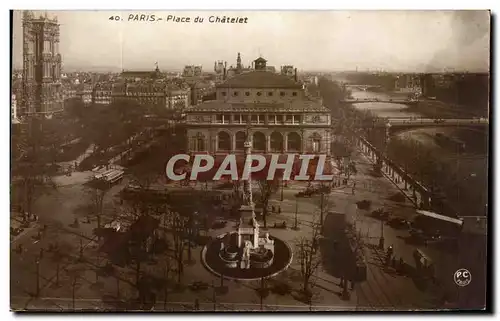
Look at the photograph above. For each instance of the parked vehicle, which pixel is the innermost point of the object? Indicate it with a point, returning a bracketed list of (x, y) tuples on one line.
[(398, 223), (381, 214), (306, 193)]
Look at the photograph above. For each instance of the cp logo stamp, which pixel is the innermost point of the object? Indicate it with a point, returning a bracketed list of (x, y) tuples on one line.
[(462, 277)]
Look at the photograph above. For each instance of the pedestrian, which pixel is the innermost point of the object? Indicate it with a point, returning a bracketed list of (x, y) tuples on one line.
[(273, 209), (401, 264), (196, 305), (279, 209), (352, 285)]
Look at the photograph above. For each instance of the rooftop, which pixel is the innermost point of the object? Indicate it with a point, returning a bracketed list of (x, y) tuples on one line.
[(293, 106), (260, 79)]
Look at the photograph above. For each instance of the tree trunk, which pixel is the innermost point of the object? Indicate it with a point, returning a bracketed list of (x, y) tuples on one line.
[(137, 272), (264, 214)]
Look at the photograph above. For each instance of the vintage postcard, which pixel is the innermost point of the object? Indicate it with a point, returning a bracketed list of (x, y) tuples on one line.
[(249, 160)]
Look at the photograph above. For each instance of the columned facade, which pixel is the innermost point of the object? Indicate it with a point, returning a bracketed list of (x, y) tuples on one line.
[(268, 141)]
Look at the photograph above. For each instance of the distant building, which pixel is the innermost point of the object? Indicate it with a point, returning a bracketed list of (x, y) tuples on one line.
[(152, 93), (70, 92), (428, 85), (143, 92), (288, 70), (192, 71), (408, 83), (220, 70), (13, 110), (177, 98), (239, 69), (101, 93), (84, 93), (138, 75), (42, 88), (200, 90)]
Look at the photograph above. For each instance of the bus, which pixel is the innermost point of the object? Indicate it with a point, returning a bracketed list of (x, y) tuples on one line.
[(103, 174), (114, 177), (111, 176)]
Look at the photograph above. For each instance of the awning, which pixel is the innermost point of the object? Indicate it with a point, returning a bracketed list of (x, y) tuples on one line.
[(441, 217)]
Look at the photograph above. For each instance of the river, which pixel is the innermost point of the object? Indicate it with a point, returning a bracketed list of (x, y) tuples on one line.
[(471, 164)]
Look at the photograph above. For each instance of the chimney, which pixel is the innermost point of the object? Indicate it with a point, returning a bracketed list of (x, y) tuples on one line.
[(225, 73), (296, 74)]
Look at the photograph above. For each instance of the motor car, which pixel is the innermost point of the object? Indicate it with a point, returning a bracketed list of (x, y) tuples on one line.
[(218, 224), (381, 214), (398, 223)]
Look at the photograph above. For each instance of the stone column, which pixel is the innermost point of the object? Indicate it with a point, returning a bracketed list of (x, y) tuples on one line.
[(285, 142), (233, 142), (215, 142), (268, 143), (302, 143)]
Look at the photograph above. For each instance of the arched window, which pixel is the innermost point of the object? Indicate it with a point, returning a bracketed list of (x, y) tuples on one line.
[(240, 140), (294, 142), (259, 141), (200, 142), (276, 142), (224, 141), (316, 143)]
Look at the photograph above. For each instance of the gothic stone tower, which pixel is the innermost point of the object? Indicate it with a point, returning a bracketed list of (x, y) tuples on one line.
[(42, 88)]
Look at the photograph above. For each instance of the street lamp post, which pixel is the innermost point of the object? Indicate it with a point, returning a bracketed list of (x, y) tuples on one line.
[(37, 262), (381, 241), (296, 223), (73, 291), (322, 200), (213, 296), (282, 188)]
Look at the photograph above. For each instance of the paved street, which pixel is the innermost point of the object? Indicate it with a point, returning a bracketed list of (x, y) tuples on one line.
[(384, 289)]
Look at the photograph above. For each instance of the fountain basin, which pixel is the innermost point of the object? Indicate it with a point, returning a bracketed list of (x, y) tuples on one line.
[(261, 258), (261, 265)]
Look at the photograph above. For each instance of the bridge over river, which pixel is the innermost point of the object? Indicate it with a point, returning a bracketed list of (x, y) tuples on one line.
[(393, 125), (376, 100)]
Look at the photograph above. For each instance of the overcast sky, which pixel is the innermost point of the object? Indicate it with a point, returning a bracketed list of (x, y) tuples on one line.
[(310, 40)]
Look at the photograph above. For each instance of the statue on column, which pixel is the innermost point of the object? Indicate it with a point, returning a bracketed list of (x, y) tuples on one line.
[(247, 185)]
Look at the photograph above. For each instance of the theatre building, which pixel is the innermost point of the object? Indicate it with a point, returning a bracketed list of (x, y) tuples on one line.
[(273, 108)]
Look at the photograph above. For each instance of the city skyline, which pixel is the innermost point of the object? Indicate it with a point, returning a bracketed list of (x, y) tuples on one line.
[(420, 41)]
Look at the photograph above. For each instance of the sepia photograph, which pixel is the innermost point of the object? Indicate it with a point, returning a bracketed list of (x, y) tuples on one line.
[(231, 161)]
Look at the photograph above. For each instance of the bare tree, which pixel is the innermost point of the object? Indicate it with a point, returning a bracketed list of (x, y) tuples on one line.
[(326, 203), (31, 171), (267, 188), (178, 228), (96, 190), (263, 292), (308, 257)]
